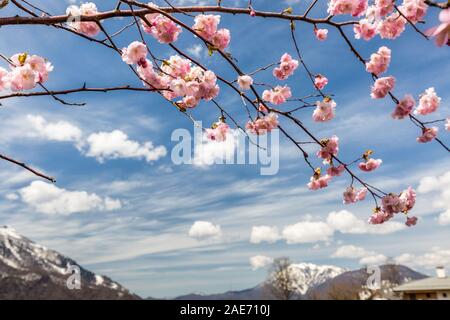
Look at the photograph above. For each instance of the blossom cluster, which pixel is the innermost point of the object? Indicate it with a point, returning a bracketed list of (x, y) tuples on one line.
[(176, 77), (206, 26), (218, 131), (89, 28), (277, 95), (382, 18), (263, 125), (161, 28), (392, 204), (26, 72), (286, 68)]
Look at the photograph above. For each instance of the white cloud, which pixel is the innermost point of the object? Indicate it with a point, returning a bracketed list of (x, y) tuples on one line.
[(195, 50), (346, 222), (57, 131), (351, 252), (264, 233), (307, 232), (375, 259), (441, 186), (115, 144), (429, 260), (12, 196), (209, 152), (259, 261), (47, 198), (204, 229)]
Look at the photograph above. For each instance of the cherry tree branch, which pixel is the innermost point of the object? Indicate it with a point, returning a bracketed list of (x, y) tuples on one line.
[(26, 167)]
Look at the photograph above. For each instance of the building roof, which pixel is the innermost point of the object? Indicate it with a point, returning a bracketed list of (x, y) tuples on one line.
[(426, 284)]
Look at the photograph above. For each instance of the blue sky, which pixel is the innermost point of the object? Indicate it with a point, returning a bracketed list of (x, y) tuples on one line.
[(143, 242)]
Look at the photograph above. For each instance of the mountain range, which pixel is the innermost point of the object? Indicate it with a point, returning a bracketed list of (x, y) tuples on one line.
[(31, 271)]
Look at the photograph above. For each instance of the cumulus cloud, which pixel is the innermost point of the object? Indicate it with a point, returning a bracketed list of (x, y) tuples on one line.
[(12, 197), (195, 50), (351, 252), (57, 131), (116, 144), (204, 229), (264, 233), (430, 260), (47, 198), (440, 185), (307, 232), (375, 259), (260, 261)]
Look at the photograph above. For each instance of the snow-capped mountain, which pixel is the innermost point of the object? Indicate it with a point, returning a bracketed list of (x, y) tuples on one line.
[(31, 271), (309, 275)]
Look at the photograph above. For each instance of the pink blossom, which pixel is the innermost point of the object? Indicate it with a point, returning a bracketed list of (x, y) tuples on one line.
[(189, 102), (336, 171), (245, 82), (392, 26), (382, 86), (408, 197), (379, 61), (379, 216), (317, 182), (221, 39), (320, 81), (89, 28), (135, 52), (150, 77), (442, 31), (321, 34), (404, 107), (370, 164), (411, 221), (352, 195), (428, 134), (353, 7), (365, 30), (4, 79), (278, 95), (325, 110), (392, 203), (23, 78), (262, 108), (177, 66), (286, 68), (161, 28), (428, 102), (384, 7), (447, 124), (252, 13), (414, 10), (263, 125), (206, 25), (218, 132), (330, 148)]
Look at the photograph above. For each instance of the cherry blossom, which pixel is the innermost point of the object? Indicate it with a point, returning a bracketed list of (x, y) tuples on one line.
[(404, 107), (161, 28), (206, 25), (330, 148), (379, 61), (245, 82), (325, 110), (428, 134), (442, 31), (379, 216), (221, 39), (320, 81), (218, 131), (27, 71), (317, 181), (382, 86), (370, 164), (336, 171), (384, 7), (89, 28), (263, 125), (365, 30), (392, 26), (411, 221), (353, 7), (286, 68), (447, 124), (278, 95), (408, 197), (428, 102), (413, 10), (4, 81), (134, 53), (352, 195), (321, 34)]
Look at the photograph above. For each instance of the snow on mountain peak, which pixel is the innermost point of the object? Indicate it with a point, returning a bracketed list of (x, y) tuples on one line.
[(308, 275)]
